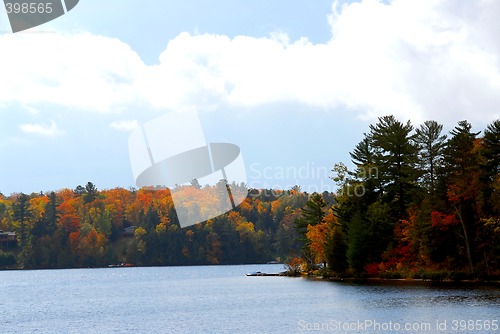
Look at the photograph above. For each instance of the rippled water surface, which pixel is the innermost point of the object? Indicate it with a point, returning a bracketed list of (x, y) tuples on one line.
[(221, 299)]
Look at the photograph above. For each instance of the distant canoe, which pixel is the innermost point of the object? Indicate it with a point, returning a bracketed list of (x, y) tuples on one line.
[(120, 265)]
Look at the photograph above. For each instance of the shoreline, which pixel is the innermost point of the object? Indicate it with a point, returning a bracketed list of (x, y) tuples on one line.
[(409, 281), (354, 280)]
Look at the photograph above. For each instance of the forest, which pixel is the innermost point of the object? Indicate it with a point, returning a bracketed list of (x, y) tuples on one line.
[(87, 227), (418, 203)]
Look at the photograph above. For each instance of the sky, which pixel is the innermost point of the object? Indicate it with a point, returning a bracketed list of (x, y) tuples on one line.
[(294, 84)]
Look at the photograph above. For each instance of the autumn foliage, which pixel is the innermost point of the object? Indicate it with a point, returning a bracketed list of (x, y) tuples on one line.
[(70, 228), (417, 202)]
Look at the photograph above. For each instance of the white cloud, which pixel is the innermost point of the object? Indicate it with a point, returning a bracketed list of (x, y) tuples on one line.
[(42, 129), (415, 59), (426, 59), (80, 71), (125, 125)]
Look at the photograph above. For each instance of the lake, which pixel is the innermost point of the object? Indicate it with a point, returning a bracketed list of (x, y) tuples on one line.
[(221, 299)]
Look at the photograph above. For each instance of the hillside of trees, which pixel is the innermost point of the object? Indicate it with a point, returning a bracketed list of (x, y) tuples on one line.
[(85, 227), (418, 202)]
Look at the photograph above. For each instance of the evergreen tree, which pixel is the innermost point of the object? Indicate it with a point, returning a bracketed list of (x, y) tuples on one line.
[(492, 146), (50, 214), (364, 157), (336, 250), (461, 163), (357, 243), (312, 214), (430, 143), (396, 158), (491, 169), (21, 215), (90, 193)]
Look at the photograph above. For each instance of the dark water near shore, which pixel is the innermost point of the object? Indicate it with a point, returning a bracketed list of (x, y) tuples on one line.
[(221, 299)]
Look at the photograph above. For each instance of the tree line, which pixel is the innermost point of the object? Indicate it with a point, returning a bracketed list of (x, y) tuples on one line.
[(418, 202), (85, 227)]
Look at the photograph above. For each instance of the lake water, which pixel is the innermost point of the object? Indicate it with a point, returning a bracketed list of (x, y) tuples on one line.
[(221, 299)]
